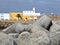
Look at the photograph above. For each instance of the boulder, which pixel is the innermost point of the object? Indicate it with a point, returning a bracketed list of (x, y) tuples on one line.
[(38, 28), (15, 28), (55, 34), (14, 35), (19, 27), (55, 38), (23, 39), (6, 40), (28, 27), (44, 21), (9, 29), (40, 37), (55, 28)]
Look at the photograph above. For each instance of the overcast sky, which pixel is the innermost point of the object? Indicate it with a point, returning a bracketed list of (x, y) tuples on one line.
[(42, 6)]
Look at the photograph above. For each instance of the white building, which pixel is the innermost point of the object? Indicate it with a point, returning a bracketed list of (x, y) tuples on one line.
[(31, 13), (4, 16)]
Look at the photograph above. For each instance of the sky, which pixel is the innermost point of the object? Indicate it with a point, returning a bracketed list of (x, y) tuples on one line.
[(42, 6)]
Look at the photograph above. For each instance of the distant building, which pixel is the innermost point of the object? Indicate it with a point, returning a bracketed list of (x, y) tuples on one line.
[(4, 16), (26, 15), (13, 15), (32, 14)]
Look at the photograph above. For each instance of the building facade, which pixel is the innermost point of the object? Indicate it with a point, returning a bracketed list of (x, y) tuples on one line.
[(26, 15), (32, 14), (4, 16), (13, 15)]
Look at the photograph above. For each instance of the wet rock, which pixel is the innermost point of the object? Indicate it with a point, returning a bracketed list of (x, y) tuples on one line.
[(9, 29)]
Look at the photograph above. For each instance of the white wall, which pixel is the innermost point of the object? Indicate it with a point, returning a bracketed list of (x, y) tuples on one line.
[(31, 13), (5, 16)]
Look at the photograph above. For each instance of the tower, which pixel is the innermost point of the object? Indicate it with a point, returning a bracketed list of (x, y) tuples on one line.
[(34, 10)]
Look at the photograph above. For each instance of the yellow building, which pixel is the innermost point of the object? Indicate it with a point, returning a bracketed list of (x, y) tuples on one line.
[(13, 16), (25, 15)]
